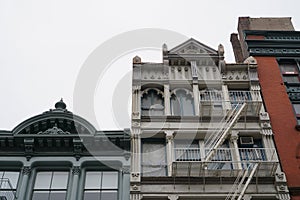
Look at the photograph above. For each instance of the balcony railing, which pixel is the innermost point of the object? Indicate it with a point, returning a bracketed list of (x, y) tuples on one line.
[(6, 190), (225, 162), (214, 102), (187, 154), (211, 96), (225, 154)]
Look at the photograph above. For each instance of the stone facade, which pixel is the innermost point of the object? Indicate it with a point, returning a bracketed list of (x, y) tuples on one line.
[(199, 129)]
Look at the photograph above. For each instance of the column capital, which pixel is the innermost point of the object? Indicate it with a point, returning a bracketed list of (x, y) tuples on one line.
[(26, 170), (234, 136), (76, 170), (169, 134)]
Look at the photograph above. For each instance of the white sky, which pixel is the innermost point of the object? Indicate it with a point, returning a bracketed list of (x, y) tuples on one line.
[(45, 43)]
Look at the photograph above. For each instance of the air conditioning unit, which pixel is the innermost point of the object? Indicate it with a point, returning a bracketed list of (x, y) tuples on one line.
[(246, 141)]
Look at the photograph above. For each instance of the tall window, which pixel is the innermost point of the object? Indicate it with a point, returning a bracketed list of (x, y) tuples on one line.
[(152, 103), (154, 158), (101, 185), (8, 184), (296, 107), (182, 103), (50, 185), (289, 71)]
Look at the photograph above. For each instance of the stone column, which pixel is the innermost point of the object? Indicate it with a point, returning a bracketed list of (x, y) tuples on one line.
[(196, 98), (75, 173), (136, 102), (226, 104), (125, 177), (26, 171), (170, 150), (235, 150), (136, 153), (167, 99)]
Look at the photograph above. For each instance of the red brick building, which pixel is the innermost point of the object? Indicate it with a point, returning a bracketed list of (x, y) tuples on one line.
[(275, 45)]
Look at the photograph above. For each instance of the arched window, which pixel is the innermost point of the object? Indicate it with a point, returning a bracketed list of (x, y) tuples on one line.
[(152, 103), (182, 103)]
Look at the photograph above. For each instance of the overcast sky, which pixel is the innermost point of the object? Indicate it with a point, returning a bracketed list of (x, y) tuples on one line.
[(45, 43)]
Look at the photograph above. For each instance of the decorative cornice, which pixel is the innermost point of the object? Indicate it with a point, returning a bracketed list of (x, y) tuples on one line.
[(54, 131), (260, 51)]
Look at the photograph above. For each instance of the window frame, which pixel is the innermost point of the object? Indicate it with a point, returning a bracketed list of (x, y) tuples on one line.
[(178, 98), (101, 170), (42, 169)]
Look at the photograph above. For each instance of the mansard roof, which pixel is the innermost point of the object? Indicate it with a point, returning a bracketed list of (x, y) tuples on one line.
[(58, 121), (192, 46)]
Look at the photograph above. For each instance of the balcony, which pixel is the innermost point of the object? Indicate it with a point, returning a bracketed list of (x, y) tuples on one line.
[(214, 103), (6, 190), (252, 99), (189, 162)]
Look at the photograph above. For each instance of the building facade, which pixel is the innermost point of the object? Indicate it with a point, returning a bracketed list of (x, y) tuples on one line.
[(275, 44), (200, 130), (58, 155)]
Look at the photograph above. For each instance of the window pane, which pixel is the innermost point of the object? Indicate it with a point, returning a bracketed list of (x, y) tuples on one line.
[(152, 103), (175, 106), (43, 180), (288, 68), (91, 195), (60, 180), (109, 195), (40, 195), (57, 195), (93, 180), (291, 79), (187, 106), (297, 108), (182, 104), (110, 180), (154, 159), (10, 179)]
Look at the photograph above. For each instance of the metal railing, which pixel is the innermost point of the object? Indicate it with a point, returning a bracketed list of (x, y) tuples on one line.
[(6, 190), (211, 96), (187, 154), (225, 154)]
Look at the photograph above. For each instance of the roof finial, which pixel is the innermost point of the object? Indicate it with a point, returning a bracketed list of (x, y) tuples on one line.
[(60, 105)]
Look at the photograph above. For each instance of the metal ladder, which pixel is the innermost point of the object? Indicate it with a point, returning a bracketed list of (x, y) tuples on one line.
[(238, 188), (216, 139)]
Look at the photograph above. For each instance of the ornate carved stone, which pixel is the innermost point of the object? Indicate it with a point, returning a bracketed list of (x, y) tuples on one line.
[(53, 131), (234, 136), (126, 169), (169, 135), (127, 155), (76, 170), (26, 170)]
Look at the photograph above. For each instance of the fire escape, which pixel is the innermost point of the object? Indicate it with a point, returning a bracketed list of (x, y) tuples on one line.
[(254, 161)]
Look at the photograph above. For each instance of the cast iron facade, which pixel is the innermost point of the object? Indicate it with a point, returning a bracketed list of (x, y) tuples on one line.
[(58, 155)]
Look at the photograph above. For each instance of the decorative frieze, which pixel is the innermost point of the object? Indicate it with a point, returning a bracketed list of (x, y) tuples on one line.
[(274, 52)]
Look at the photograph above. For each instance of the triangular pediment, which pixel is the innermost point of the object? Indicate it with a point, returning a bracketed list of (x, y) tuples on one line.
[(192, 46)]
